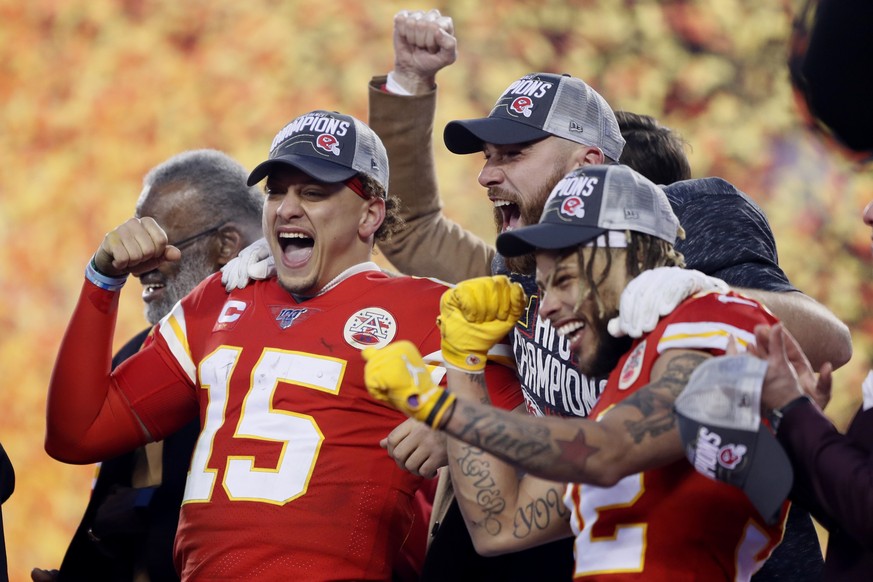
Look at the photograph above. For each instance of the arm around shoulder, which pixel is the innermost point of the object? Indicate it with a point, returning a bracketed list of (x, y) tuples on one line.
[(821, 334)]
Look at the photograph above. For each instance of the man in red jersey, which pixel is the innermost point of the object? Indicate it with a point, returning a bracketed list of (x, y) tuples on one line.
[(202, 202), (620, 484), (287, 479)]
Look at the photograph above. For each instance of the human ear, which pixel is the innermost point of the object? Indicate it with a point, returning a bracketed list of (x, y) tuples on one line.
[(231, 243), (587, 156), (372, 217)]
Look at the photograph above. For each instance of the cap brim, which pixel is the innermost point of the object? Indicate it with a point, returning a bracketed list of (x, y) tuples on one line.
[(319, 169), (770, 477), (544, 236), (467, 136)]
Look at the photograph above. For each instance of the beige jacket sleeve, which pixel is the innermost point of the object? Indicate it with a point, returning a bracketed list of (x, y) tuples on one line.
[(431, 245)]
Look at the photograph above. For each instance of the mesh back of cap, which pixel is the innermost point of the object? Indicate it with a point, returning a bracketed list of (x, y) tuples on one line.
[(630, 202), (612, 142), (580, 114), (725, 392), (370, 156)]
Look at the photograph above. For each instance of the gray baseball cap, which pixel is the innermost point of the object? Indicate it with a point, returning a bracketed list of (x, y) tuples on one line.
[(328, 146), (588, 202), (719, 417), (536, 106)]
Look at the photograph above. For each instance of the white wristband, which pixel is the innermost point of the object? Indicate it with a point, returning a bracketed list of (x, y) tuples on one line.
[(394, 87), (101, 280)]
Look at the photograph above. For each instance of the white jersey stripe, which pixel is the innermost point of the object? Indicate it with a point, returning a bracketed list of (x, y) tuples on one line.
[(703, 335), (174, 331), (436, 365)]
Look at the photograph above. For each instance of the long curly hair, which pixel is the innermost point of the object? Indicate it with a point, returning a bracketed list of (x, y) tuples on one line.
[(644, 252)]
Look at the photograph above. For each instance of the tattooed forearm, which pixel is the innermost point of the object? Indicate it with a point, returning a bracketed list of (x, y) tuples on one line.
[(538, 514), (520, 440), (655, 425), (655, 400), (502, 433), (476, 471), (575, 452)]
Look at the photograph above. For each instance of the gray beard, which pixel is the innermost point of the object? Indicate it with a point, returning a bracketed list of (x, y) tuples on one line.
[(193, 267)]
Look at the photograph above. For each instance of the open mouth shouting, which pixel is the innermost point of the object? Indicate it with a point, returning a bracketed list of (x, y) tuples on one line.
[(296, 248), (506, 214)]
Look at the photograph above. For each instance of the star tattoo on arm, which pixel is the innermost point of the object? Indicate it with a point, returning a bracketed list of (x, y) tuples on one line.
[(575, 451)]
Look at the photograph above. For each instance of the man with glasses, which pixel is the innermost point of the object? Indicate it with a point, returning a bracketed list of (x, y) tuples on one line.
[(201, 200), (287, 479)]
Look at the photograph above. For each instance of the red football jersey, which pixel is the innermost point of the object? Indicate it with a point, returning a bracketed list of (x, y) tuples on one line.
[(287, 480), (672, 523)]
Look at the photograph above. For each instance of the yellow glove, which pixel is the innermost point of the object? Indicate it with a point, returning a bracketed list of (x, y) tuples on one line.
[(397, 375), (475, 315)]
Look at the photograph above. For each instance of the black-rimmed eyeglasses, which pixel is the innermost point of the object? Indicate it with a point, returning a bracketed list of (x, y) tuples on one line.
[(187, 241)]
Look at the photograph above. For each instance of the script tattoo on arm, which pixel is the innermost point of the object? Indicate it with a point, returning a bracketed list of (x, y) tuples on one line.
[(476, 470), (535, 445), (502, 433), (539, 513), (656, 399)]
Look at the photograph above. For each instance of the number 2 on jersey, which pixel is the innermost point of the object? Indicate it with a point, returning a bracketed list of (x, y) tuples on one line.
[(622, 550)]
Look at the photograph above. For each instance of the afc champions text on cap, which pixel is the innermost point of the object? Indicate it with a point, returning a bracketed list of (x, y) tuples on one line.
[(328, 146)]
